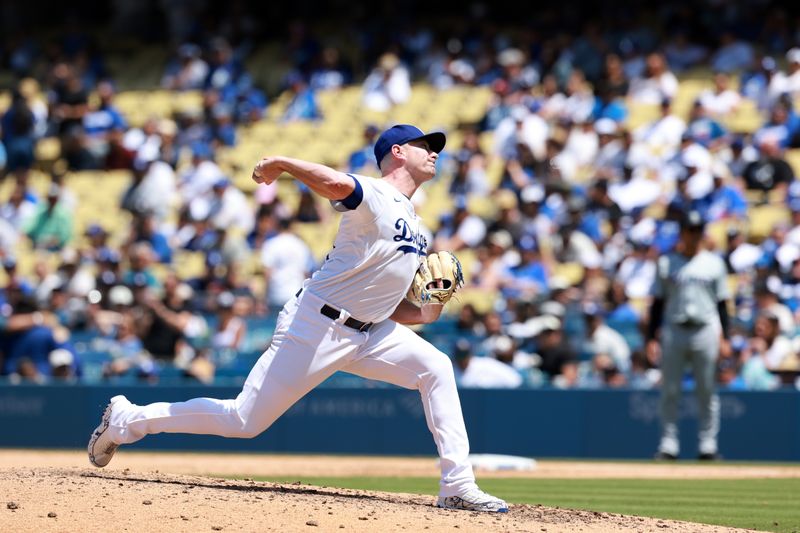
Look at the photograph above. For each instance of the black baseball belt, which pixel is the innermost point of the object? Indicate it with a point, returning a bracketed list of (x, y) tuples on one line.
[(334, 314)]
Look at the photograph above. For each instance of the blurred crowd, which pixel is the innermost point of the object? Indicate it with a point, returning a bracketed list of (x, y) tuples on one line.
[(566, 258)]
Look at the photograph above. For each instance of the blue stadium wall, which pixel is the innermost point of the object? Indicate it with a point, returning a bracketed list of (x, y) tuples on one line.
[(534, 423)]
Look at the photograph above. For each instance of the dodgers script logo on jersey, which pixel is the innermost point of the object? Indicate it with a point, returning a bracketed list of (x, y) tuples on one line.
[(419, 242)]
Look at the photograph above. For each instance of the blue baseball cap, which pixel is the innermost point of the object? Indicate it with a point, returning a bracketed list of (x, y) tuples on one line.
[(405, 133)]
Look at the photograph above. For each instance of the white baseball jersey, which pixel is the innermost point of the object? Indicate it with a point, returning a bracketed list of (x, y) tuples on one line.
[(375, 255)]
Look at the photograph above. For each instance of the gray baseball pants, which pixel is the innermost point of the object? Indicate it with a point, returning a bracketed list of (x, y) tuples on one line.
[(699, 347)]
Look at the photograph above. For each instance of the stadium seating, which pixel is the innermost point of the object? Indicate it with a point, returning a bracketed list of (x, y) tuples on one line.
[(330, 141)]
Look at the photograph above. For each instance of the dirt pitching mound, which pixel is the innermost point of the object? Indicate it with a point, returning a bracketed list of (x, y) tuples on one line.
[(78, 499)]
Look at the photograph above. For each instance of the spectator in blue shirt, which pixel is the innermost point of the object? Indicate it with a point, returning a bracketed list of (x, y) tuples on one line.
[(28, 349), (223, 71), (622, 313), (364, 158), (704, 129), (529, 278), (608, 105), (667, 230), (15, 281), (726, 200), (99, 123), (303, 105), (106, 116), (781, 126), (586, 221), (222, 126), (17, 125), (251, 102), (754, 83), (499, 107), (143, 229)]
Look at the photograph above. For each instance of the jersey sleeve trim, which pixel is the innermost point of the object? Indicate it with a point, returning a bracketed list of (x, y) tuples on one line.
[(355, 198)]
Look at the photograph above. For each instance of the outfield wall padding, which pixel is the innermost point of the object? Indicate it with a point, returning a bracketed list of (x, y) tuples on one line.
[(534, 423)]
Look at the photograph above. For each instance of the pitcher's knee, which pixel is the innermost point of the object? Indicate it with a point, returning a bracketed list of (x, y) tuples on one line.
[(440, 367), (244, 429), (242, 426), (246, 432)]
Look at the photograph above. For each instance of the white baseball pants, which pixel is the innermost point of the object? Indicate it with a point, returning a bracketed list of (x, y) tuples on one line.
[(307, 348)]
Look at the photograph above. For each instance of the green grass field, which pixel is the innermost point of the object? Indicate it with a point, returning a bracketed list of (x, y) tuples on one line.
[(764, 504)]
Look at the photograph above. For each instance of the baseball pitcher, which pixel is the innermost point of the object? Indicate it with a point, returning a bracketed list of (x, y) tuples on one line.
[(349, 316)]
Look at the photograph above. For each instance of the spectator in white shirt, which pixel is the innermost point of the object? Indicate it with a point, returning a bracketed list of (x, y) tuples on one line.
[(450, 70), (519, 74), (579, 105), (522, 127), (482, 372), (19, 208), (387, 85), (601, 339), (551, 101), (226, 207), (610, 155), (287, 262), (766, 294), (463, 230), (635, 190), (153, 189), (637, 271), (187, 71), (198, 179), (770, 343), (789, 81), (721, 100), (582, 143), (660, 140), (698, 179), (656, 84), (8, 238)]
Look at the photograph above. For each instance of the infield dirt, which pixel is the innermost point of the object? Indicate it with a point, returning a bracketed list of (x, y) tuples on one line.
[(54, 491)]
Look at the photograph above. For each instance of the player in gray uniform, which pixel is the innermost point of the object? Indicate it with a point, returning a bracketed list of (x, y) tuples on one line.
[(690, 295), (348, 317)]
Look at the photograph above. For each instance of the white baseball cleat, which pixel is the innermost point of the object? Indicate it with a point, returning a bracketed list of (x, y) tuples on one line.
[(101, 448), (473, 500)]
